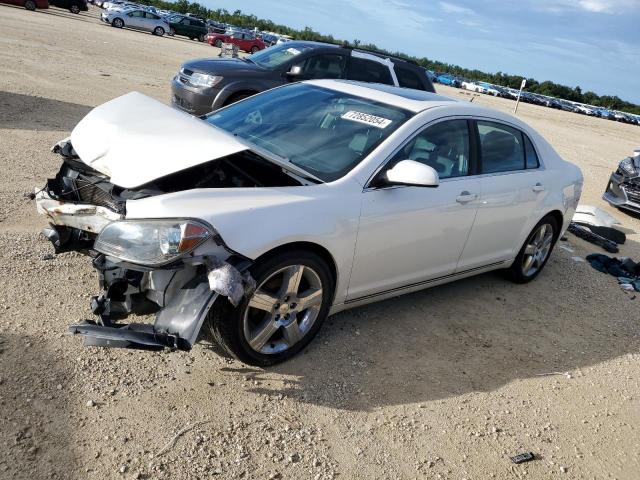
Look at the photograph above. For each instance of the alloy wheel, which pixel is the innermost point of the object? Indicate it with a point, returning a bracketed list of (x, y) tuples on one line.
[(75, 9), (537, 249), (283, 309)]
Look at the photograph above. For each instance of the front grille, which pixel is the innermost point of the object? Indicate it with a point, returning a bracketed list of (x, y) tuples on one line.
[(91, 194), (632, 191)]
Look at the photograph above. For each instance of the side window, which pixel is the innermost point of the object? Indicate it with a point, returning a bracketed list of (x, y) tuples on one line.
[(501, 147), (185, 21), (443, 146), (137, 13), (364, 70), (532, 157), (326, 65), (408, 79)]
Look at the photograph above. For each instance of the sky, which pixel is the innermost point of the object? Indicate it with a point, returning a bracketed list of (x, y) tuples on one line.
[(591, 43)]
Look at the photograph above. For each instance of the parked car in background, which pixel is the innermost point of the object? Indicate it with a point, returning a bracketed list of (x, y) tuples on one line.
[(74, 6), (216, 27), (387, 191), (446, 79), (28, 4), (189, 27), (137, 19), (623, 189), (245, 41), (203, 85)]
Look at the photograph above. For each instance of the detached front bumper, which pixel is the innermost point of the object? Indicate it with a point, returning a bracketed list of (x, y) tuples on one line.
[(623, 192)]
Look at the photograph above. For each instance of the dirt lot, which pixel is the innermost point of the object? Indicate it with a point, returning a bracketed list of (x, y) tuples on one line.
[(444, 383)]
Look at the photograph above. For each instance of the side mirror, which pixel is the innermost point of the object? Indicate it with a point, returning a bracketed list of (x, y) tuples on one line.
[(412, 173), (295, 71)]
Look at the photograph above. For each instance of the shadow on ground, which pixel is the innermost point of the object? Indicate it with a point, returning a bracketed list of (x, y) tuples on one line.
[(474, 335), (28, 112), (34, 423)]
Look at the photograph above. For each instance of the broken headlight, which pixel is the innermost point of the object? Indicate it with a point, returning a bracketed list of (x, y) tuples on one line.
[(628, 166), (151, 242)]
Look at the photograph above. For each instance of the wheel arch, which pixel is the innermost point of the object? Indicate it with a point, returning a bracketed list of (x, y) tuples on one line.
[(558, 217), (318, 249)]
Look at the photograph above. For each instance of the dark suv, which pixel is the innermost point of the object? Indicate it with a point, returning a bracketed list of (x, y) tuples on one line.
[(207, 84)]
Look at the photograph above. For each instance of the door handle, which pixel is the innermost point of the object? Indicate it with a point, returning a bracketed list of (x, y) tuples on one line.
[(466, 197), (537, 187)]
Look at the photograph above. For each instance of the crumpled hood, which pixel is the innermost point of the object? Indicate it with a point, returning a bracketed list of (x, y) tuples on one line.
[(135, 139)]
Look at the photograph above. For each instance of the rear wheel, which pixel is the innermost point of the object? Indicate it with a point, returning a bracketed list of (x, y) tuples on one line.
[(201, 38), (117, 22), (535, 252), (159, 31), (30, 5), (74, 8), (291, 301), (218, 43), (254, 49)]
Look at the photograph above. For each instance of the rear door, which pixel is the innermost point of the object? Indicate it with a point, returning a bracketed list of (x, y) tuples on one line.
[(323, 65), (135, 19), (364, 70), (513, 185)]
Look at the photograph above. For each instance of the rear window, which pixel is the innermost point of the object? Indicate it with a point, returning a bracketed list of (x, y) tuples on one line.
[(408, 79), (363, 70)]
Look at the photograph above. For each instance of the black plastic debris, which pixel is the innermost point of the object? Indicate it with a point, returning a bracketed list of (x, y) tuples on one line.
[(586, 234), (523, 457)]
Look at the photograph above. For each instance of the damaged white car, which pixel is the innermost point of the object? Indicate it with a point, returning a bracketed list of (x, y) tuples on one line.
[(259, 220)]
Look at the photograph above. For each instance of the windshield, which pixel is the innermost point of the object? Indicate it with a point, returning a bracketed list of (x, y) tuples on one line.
[(324, 132), (278, 55)]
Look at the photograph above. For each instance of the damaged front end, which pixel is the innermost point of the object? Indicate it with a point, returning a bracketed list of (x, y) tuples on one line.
[(173, 268), (623, 189)]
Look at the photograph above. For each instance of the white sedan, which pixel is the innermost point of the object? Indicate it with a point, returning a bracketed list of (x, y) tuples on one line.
[(263, 218), (136, 18)]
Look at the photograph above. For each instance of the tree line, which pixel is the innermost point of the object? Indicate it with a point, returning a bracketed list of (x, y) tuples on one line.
[(548, 88)]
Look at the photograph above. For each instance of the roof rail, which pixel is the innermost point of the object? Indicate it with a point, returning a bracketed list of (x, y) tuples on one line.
[(381, 54)]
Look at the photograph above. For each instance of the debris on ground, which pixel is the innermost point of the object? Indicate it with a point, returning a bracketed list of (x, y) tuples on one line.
[(523, 457)]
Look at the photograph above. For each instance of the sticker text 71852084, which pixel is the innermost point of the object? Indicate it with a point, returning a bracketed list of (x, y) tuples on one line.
[(366, 118)]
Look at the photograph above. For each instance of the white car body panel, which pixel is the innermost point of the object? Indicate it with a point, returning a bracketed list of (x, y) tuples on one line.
[(383, 241)]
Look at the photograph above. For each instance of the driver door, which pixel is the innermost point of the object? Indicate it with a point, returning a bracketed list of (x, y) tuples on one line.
[(410, 235)]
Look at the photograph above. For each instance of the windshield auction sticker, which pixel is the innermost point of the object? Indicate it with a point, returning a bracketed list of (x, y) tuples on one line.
[(367, 119)]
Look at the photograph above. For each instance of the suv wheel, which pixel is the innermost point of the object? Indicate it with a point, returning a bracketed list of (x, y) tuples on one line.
[(172, 31), (535, 252), (30, 5), (201, 38), (74, 8), (292, 299)]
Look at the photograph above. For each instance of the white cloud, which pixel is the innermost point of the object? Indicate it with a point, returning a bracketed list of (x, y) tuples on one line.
[(594, 6), (455, 9)]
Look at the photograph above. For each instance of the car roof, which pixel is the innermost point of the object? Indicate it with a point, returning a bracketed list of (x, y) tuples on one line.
[(407, 98), (416, 100)]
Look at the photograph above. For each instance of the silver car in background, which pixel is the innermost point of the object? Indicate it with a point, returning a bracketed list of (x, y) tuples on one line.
[(138, 19)]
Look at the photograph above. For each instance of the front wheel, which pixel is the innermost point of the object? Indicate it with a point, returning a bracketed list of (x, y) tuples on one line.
[(117, 22), (535, 252), (201, 38), (74, 9), (172, 31), (30, 5), (291, 301), (254, 49), (218, 43), (159, 31)]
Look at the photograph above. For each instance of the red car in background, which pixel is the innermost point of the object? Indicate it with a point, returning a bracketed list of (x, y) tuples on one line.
[(28, 4), (245, 41)]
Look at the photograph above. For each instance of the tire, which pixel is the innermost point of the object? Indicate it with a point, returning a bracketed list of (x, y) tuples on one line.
[(535, 252), (218, 43), (201, 38), (117, 22), (159, 31), (191, 38), (236, 98), (254, 49), (277, 329), (30, 5), (172, 31), (74, 9)]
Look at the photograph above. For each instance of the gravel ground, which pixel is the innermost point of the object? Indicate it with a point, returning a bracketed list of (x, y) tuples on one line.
[(445, 383)]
